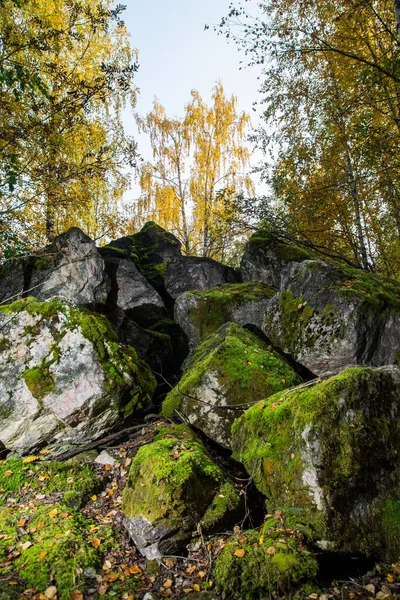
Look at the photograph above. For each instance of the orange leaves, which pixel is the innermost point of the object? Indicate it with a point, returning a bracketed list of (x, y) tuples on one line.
[(53, 513), (95, 542), (239, 552), (8, 474)]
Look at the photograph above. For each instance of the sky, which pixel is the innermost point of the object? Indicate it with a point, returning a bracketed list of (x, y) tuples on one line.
[(176, 54)]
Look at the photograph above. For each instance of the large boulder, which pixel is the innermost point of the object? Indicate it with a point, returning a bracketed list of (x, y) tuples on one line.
[(70, 268), (151, 249), (63, 376), (266, 256), (330, 452), (329, 318), (201, 313), (174, 490), (231, 367), (193, 273)]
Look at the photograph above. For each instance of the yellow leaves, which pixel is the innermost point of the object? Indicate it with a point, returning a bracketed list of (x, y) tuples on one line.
[(53, 513), (8, 474), (135, 570), (95, 542), (30, 459), (239, 552)]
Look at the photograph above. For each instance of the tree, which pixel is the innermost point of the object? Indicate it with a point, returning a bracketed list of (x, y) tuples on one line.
[(198, 166), (66, 72), (332, 107)]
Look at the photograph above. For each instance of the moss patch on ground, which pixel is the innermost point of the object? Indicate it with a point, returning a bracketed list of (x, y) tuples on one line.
[(212, 308), (250, 567), (34, 474), (326, 445), (245, 367), (50, 543), (121, 365), (174, 480)]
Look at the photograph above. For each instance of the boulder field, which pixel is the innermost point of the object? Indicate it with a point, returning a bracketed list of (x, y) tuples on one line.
[(281, 376)]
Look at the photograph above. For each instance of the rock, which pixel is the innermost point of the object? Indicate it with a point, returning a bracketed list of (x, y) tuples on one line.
[(12, 279), (104, 459), (232, 366), (249, 567), (70, 268), (172, 488), (150, 249), (192, 273), (266, 256), (132, 293), (201, 313), (328, 318), (331, 452), (63, 377)]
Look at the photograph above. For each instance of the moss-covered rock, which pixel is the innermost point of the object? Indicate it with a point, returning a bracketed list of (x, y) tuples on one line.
[(201, 313), (232, 366), (266, 256), (252, 566), (327, 321), (64, 377), (174, 490), (331, 451)]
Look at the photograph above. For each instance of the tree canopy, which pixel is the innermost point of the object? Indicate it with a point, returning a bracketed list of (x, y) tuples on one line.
[(198, 166), (331, 112), (66, 72)]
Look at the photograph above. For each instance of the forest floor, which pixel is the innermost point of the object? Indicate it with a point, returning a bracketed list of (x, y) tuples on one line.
[(126, 575)]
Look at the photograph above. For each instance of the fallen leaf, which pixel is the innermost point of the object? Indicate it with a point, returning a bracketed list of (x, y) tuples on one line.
[(201, 574), (43, 554), (8, 474), (196, 587), (76, 595), (26, 545), (94, 497), (270, 550), (30, 459), (95, 542), (167, 583), (53, 513), (135, 570), (239, 552), (21, 522)]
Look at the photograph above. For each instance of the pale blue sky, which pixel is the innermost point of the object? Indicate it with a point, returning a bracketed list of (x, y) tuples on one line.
[(176, 55)]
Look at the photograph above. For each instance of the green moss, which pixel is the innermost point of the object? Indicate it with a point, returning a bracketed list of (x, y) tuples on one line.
[(258, 573), (296, 314), (377, 293), (348, 421), (390, 515), (41, 263), (121, 364), (47, 477), (263, 239), (245, 368), (54, 544), (39, 381), (213, 308), (173, 478)]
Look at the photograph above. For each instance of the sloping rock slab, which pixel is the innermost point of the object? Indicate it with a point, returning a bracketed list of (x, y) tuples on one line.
[(201, 313), (63, 377), (232, 366), (331, 452), (70, 268), (173, 487), (192, 273)]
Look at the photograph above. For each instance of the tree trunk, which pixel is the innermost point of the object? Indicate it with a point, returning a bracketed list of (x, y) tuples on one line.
[(397, 13), (50, 221)]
